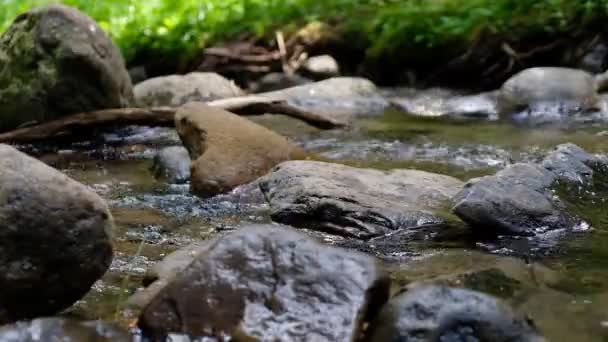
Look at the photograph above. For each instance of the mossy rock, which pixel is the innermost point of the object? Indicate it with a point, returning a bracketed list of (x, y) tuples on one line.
[(56, 61)]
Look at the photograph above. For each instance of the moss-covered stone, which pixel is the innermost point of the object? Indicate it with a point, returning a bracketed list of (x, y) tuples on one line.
[(56, 61)]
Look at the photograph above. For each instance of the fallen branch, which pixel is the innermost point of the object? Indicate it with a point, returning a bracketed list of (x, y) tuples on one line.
[(256, 105), (161, 116)]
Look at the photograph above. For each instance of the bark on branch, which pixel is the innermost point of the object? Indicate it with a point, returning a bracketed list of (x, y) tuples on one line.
[(160, 116)]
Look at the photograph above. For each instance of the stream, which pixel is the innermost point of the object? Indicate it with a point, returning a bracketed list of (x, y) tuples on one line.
[(562, 284)]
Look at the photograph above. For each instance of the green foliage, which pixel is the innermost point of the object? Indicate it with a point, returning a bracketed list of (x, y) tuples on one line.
[(179, 28)]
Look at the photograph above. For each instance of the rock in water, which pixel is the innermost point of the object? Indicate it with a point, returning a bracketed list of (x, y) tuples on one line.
[(176, 90), (56, 61), (546, 94), (269, 283), (519, 199), (54, 238), (356, 202), (62, 329), (277, 81), (164, 272), (228, 150), (340, 99), (172, 164), (433, 314)]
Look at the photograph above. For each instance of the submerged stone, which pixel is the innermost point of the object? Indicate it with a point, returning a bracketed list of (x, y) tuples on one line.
[(432, 313), (520, 200)]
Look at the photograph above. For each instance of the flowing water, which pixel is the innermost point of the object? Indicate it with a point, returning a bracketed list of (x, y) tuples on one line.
[(562, 283)]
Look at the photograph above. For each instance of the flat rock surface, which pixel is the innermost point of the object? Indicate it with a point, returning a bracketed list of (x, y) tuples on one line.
[(356, 202)]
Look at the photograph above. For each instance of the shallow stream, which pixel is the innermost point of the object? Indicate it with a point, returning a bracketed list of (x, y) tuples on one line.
[(562, 283)]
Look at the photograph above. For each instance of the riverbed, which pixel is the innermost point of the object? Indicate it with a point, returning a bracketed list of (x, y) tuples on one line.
[(561, 282)]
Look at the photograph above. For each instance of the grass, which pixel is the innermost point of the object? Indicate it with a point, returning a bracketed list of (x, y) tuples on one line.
[(382, 27)]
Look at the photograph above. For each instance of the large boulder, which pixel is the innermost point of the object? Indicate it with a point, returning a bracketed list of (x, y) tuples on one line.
[(176, 90), (54, 238), (520, 200), (63, 329), (356, 202), (269, 283), (547, 94), (56, 61), (228, 150), (426, 314)]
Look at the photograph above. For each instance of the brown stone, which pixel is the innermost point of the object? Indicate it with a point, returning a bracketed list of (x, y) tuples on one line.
[(228, 150)]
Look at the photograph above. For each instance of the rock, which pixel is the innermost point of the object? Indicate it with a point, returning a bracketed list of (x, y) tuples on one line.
[(337, 87), (449, 314), (571, 163), (340, 99), (321, 67), (514, 201), (356, 202), (63, 329), (435, 103), (519, 199), (277, 81), (163, 272), (54, 238), (546, 94), (176, 90), (56, 61), (270, 283), (172, 164), (228, 150)]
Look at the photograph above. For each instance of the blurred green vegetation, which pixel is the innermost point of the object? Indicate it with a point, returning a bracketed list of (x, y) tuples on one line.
[(177, 28)]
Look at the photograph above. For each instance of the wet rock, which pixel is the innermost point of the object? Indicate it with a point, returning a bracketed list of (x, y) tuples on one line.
[(56, 61), (337, 87), (172, 164), (450, 314), (341, 99), (62, 329), (514, 201), (519, 199), (277, 81), (266, 283), (164, 272), (228, 150), (356, 202), (547, 94), (176, 90), (445, 104), (571, 163), (54, 238), (321, 67)]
